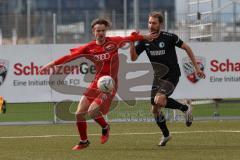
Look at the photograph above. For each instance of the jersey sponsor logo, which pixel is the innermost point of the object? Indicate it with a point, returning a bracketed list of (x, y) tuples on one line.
[(110, 47), (161, 44), (3, 70), (102, 57), (157, 52), (189, 69)]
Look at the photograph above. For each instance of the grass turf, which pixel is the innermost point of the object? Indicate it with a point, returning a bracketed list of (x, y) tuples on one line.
[(187, 145)]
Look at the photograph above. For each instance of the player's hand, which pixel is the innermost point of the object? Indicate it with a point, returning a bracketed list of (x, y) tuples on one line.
[(150, 37), (201, 74)]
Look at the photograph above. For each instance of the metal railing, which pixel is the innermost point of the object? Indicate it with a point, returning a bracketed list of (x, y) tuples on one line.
[(44, 28)]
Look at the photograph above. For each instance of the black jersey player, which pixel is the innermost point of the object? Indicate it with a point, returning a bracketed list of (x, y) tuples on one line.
[(162, 55)]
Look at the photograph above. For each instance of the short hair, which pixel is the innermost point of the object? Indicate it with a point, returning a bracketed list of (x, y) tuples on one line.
[(103, 21), (157, 15)]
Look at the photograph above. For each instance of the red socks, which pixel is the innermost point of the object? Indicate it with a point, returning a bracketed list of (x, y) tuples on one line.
[(82, 126), (101, 121), (82, 129)]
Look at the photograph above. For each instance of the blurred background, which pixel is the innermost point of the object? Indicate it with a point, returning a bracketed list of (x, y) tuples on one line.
[(35, 32), (68, 21)]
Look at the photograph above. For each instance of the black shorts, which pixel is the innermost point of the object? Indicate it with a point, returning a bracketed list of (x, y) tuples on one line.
[(164, 85)]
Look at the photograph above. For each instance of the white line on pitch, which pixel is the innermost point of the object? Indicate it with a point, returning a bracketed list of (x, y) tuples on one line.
[(119, 134)]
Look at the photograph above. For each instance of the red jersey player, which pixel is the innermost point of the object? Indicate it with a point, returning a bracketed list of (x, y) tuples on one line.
[(104, 53)]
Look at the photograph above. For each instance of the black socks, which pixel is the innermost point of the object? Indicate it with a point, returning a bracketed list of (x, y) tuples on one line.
[(173, 104), (161, 122)]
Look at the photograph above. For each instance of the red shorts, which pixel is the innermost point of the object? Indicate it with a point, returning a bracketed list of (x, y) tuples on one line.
[(103, 99)]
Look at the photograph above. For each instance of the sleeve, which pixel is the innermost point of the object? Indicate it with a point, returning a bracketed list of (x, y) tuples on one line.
[(132, 38), (140, 47), (176, 41), (74, 54)]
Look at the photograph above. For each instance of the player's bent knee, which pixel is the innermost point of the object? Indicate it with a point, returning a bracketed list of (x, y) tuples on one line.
[(160, 100), (93, 113), (94, 110)]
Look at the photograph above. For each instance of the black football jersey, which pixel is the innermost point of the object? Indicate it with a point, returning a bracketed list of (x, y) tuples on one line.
[(162, 51)]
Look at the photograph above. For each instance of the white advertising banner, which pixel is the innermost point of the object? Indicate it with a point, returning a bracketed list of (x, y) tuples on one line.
[(20, 77), (20, 80), (221, 63)]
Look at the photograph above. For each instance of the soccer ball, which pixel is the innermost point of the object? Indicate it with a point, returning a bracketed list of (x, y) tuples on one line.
[(105, 84)]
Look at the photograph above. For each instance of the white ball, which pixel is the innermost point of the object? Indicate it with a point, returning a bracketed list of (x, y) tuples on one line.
[(105, 84)]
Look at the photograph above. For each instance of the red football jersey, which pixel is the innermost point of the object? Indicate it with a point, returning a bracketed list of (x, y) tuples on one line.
[(105, 56)]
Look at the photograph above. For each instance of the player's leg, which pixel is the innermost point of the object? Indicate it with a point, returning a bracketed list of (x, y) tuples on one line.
[(185, 108), (81, 123), (161, 122), (162, 101), (4, 107), (173, 104), (167, 87), (96, 110), (95, 113), (158, 100)]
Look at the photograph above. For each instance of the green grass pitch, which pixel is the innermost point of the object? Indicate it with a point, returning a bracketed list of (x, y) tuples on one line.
[(214, 140)]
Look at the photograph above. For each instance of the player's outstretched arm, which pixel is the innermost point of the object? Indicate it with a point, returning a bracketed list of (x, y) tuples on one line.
[(148, 37), (189, 51), (133, 52), (136, 36), (74, 54), (59, 61)]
